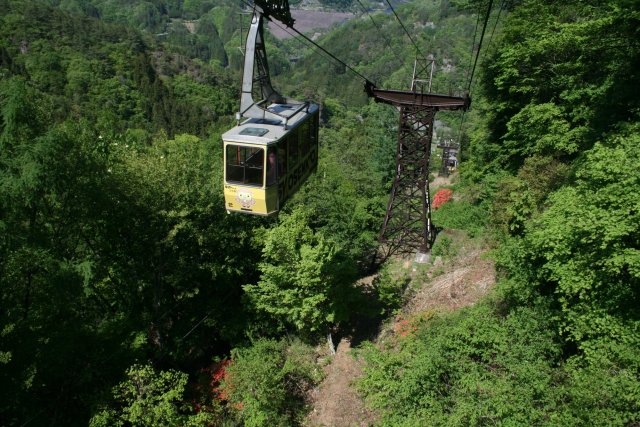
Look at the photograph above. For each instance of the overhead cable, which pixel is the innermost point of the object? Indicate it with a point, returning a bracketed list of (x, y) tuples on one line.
[(473, 45), (484, 27), (404, 28), (317, 46), (386, 39), (495, 24)]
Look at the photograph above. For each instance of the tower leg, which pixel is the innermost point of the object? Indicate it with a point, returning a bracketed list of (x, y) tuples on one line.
[(407, 226)]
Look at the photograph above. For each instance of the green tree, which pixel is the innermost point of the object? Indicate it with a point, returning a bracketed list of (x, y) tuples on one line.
[(267, 381), (305, 278), (152, 398)]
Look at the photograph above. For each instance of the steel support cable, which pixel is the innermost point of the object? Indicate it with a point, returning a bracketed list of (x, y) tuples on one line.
[(386, 39), (326, 55), (404, 28), (502, 4), (484, 28), (495, 24), (473, 45), (331, 55)]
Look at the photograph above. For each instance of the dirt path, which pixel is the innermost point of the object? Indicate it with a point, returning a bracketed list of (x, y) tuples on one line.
[(336, 402), (461, 281)]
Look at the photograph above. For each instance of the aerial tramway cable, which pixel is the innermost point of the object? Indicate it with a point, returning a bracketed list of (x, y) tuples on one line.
[(317, 46), (495, 24), (386, 39), (405, 29), (473, 45), (484, 27)]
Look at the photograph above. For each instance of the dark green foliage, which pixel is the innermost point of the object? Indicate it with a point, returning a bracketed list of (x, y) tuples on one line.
[(384, 54), (338, 4), (389, 289), (267, 381), (347, 194), (109, 250), (107, 74)]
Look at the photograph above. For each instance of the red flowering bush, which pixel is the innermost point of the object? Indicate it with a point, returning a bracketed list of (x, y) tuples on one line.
[(405, 327), (442, 196), (219, 373)]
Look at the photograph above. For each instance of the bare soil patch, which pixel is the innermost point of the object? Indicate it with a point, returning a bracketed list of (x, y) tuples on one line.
[(335, 402), (462, 283)]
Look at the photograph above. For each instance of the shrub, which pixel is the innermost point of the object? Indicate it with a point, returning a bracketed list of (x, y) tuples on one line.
[(442, 196), (267, 381)]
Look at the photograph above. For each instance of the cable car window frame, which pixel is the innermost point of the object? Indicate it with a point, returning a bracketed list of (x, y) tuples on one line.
[(294, 149), (245, 161), (282, 158), (304, 138), (272, 170)]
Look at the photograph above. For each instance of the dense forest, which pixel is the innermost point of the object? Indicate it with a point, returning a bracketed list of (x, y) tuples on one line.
[(129, 296)]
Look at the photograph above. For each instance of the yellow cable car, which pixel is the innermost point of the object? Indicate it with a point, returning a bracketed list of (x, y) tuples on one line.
[(266, 162), (271, 153)]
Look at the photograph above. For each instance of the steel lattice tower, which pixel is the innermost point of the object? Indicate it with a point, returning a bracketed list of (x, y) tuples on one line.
[(407, 225)]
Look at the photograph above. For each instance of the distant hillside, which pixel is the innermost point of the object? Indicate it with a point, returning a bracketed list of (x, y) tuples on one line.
[(109, 74)]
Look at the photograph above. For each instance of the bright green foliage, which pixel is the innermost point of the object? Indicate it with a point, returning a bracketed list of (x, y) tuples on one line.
[(474, 367), (267, 381), (585, 250), (306, 279), (559, 157), (461, 215), (560, 74), (540, 129), (151, 398), (482, 367)]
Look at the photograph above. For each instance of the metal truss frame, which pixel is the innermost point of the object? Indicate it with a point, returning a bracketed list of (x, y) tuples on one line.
[(407, 226)]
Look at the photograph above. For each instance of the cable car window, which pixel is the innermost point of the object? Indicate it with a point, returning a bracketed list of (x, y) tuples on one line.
[(293, 150), (245, 164), (282, 158), (272, 166), (314, 129), (304, 138)]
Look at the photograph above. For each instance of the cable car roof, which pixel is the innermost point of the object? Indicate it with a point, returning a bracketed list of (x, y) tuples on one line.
[(265, 131)]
